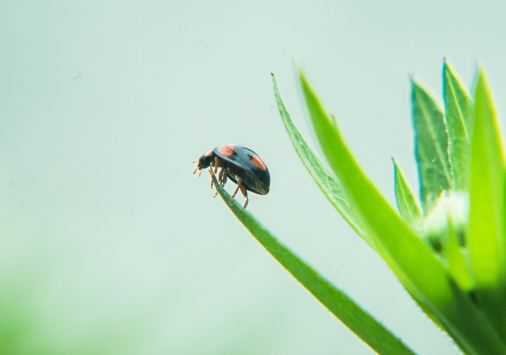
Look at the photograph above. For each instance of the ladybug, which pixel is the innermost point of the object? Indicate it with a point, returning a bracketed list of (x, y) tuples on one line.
[(239, 164)]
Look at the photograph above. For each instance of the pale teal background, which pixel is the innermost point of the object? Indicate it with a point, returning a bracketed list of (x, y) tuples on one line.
[(103, 107)]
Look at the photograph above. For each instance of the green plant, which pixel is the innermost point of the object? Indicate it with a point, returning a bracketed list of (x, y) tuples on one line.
[(448, 251)]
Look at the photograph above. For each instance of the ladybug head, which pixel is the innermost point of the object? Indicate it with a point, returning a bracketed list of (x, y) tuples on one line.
[(204, 162)]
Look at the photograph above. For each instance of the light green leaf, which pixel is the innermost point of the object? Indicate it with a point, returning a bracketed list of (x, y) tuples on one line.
[(486, 224), (329, 185), (418, 269), (431, 146), (457, 258), (406, 201), (458, 108), (359, 321)]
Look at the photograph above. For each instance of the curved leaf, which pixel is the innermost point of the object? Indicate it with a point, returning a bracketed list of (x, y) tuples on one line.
[(486, 224), (328, 184), (336, 301)]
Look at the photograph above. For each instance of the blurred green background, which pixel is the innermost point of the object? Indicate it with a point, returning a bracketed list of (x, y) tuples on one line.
[(108, 242)]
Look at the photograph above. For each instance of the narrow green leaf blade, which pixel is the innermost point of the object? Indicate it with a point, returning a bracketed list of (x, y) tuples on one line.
[(458, 109), (328, 184), (486, 223), (406, 200), (418, 269), (359, 321), (431, 145)]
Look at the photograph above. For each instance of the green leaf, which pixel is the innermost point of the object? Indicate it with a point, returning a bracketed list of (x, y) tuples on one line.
[(431, 146), (329, 185), (457, 258), (418, 269), (406, 201), (458, 108), (359, 321), (486, 223)]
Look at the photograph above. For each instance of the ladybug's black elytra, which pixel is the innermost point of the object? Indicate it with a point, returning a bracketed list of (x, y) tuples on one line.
[(239, 164)]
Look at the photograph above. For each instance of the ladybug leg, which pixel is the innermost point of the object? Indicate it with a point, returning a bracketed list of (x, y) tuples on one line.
[(212, 172), (222, 178), (216, 164), (245, 194), (235, 192)]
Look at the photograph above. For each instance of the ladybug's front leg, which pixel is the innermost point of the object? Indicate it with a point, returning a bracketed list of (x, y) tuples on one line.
[(215, 164), (211, 174), (213, 171), (222, 179), (213, 168)]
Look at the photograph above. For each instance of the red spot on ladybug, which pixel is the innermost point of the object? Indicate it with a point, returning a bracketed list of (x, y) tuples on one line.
[(227, 150), (257, 162)]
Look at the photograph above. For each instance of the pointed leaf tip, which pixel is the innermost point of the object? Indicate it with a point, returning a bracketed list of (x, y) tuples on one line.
[(431, 145), (406, 201), (328, 184), (459, 123)]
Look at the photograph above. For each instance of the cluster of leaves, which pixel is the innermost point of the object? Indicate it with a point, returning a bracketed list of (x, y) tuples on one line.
[(448, 251)]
